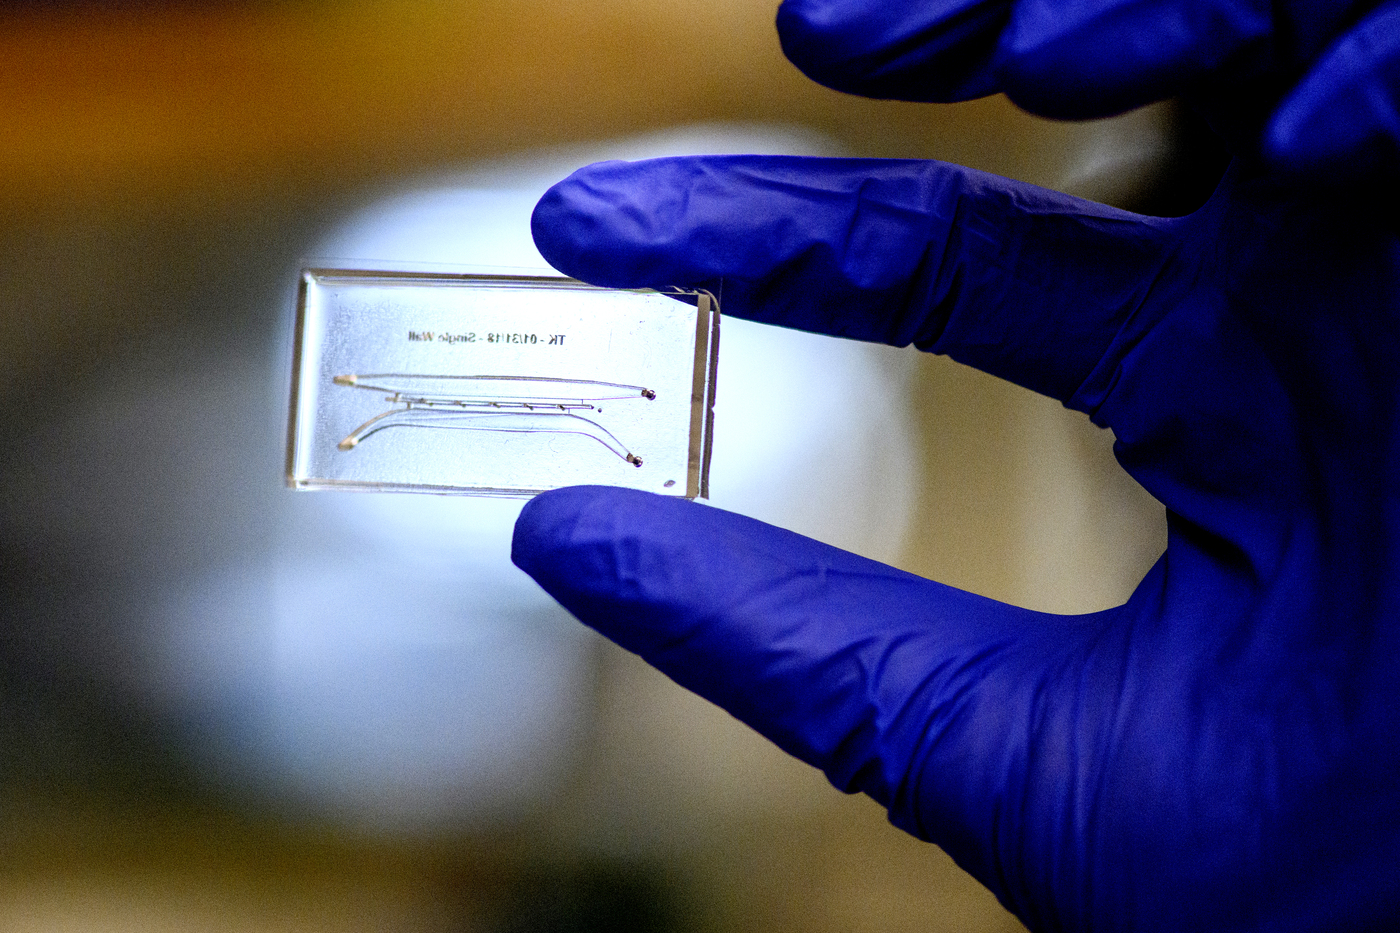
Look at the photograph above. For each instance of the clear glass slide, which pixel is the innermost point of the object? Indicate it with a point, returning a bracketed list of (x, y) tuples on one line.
[(499, 385)]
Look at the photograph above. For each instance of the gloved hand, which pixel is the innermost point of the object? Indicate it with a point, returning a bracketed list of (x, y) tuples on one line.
[(1222, 752), (1336, 65)]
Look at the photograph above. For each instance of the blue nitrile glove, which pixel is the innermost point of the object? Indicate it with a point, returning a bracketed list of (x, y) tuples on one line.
[(1222, 752), (1343, 119), (1088, 58)]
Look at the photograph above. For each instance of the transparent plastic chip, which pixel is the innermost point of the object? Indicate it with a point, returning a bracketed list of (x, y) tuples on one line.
[(499, 385)]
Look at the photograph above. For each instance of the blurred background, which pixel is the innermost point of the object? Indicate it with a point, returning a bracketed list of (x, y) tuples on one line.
[(228, 707)]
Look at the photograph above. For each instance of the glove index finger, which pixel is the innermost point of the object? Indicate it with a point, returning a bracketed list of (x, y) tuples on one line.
[(1024, 283)]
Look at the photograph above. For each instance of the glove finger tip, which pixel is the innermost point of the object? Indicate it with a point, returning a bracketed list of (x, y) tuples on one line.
[(622, 224), (1283, 147), (1337, 127), (546, 524), (558, 224), (577, 225), (599, 539), (930, 52), (1321, 145), (815, 38), (627, 563)]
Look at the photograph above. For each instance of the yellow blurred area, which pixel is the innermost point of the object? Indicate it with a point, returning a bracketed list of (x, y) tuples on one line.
[(99, 103), (153, 156)]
